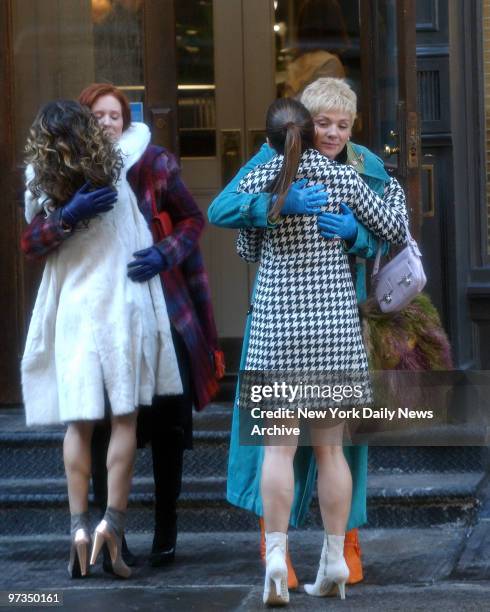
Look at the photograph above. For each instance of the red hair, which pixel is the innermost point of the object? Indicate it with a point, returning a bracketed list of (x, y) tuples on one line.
[(94, 91)]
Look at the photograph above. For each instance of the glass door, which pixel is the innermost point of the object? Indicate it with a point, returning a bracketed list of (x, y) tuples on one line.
[(235, 56), (371, 44), (225, 82)]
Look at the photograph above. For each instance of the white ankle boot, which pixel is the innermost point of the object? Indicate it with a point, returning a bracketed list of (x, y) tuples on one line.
[(332, 570), (276, 572)]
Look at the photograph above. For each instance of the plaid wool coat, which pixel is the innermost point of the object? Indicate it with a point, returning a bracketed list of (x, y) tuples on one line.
[(156, 178)]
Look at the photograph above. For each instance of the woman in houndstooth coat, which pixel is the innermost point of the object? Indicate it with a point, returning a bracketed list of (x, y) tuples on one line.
[(305, 317)]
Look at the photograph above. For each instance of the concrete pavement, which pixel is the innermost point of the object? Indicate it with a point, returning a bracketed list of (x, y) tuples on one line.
[(437, 568)]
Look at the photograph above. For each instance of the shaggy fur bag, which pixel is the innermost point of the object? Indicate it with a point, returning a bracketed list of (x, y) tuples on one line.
[(402, 346), (411, 339)]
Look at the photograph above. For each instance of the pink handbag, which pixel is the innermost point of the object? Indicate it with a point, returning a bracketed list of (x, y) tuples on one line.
[(401, 279)]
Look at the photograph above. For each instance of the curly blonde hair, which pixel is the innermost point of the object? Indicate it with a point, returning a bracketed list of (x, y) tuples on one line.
[(66, 149)]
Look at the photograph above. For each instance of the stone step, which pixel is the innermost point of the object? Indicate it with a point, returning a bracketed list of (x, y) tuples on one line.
[(216, 417), (40, 455), (38, 506), (227, 388), (25, 454)]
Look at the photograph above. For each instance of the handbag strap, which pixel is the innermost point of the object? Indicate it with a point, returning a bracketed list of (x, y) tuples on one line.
[(377, 261), (154, 209), (410, 241)]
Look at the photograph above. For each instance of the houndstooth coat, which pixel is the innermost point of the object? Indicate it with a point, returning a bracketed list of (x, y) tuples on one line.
[(305, 314)]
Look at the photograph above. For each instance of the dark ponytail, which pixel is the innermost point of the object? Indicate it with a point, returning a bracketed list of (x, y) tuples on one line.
[(290, 131)]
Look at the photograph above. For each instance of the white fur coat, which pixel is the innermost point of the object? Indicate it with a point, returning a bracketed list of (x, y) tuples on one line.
[(92, 327)]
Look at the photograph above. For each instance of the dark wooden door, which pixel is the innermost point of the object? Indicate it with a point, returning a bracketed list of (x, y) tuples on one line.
[(53, 50), (391, 121), (10, 327)]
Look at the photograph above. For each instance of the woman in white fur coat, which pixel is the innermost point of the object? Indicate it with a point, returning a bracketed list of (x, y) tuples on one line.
[(95, 336)]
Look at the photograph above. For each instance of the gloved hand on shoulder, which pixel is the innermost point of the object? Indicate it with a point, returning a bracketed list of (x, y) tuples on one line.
[(87, 204), (301, 200)]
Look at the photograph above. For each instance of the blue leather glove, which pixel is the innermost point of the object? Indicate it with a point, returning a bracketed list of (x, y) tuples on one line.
[(302, 200), (343, 225), (148, 262), (86, 204)]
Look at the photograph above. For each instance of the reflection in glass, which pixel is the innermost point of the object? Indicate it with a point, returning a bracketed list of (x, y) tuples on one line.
[(315, 38), (118, 45), (387, 67), (195, 77)]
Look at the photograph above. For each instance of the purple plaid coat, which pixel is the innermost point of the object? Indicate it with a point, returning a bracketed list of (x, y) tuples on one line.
[(156, 178)]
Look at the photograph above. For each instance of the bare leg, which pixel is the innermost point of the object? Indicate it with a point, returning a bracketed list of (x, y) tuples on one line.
[(334, 496), (120, 460), (334, 483), (76, 455), (277, 486)]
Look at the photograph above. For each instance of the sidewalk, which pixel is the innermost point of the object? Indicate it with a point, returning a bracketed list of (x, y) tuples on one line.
[(437, 568)]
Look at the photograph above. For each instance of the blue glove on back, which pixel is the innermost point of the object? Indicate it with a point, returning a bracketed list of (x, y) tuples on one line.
[(86, 204), (343, 225), (302, 200), (148, 262)]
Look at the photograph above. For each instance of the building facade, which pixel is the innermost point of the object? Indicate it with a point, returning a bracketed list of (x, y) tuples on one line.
[(202, 73)]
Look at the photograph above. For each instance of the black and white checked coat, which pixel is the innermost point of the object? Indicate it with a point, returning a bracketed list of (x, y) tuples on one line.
[(305, 314)]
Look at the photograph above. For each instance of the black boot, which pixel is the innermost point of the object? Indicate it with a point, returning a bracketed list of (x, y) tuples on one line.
[(162, 552), (168, 455)]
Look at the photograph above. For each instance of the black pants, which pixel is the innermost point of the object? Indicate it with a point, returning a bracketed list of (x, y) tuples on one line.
[(167, 426)]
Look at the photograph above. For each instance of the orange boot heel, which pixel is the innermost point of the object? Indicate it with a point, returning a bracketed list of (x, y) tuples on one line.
[(352, 556)]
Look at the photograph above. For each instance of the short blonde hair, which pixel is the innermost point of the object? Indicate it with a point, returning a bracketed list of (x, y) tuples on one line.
[(329, 94)]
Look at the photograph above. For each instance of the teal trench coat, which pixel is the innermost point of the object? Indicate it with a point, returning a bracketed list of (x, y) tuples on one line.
[(235, 210)]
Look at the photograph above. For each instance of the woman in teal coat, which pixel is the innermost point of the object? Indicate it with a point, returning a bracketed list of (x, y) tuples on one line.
[(332, 104)]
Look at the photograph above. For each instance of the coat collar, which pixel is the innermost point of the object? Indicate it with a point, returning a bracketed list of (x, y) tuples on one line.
[(133, 143), (366, 162)]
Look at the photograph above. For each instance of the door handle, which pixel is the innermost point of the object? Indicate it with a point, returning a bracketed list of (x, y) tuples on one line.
[(163, 128), (428, 195), (389, 151), (231, 154)]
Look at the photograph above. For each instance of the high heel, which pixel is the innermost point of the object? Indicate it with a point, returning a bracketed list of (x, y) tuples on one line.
[(332, 571), (105, 535), (276, 572), (77, 565), (293, 583)]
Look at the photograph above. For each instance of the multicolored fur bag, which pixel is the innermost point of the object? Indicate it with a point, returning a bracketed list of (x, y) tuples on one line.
[(402, 346), (410, 339)]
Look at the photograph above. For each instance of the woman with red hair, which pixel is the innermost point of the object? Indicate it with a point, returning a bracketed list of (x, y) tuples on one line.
[(155, 180)]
